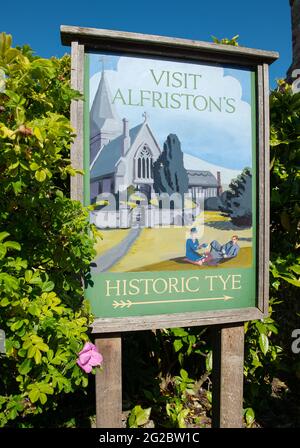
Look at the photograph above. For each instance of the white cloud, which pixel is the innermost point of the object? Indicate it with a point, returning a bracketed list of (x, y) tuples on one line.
[(220, 138)]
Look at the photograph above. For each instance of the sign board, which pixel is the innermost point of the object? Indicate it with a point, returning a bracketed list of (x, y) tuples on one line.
[(173, 139)]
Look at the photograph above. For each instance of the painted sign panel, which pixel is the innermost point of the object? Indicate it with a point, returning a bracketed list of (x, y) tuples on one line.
[(170, 169)]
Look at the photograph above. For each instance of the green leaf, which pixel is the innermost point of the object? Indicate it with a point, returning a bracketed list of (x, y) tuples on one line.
[(31, 351), (4, 301), (3, 251), (28, 275), (184, 375), (10, 282), (132, 420), (292, 281), (35, 279), (59, 194), (42, 346), (48, 286), (263, 343), (262, 328), (177, 344), (17, 325), (37, 356), (180, 358), (34, 166), (142, 416), (209, 396), (34, 309), (38, 134), (296, 268), (249, 416), (12, 245), (209, 361), (43, 398), (179, 332), (46, 388), (3, 235), (25, 367), (34, 395), (40, 175), (138, 416), (181, 418)]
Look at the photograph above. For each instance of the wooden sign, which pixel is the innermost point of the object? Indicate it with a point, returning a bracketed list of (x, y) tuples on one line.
[(173, 138)]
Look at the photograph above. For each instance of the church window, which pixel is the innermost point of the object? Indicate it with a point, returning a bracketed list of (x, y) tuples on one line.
[(144, 164)]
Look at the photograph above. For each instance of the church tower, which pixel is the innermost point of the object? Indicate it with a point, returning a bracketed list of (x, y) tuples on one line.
[(105, 125), (295, 13)]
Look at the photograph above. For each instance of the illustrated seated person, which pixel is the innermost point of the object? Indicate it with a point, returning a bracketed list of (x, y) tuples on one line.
[(192, 246), (219, 253)]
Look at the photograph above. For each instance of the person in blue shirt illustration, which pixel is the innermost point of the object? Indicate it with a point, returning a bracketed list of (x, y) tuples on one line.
[(192, 246), (219, 252)]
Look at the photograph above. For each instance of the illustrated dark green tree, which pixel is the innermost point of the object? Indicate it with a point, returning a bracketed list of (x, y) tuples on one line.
[(169, 173), (237, 201)]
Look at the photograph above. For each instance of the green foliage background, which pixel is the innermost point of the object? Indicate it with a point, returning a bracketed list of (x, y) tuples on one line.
[(46, 245), (45, 242)]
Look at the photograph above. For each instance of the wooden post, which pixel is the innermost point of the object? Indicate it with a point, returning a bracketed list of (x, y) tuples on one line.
[(227, 375), (109, 382)]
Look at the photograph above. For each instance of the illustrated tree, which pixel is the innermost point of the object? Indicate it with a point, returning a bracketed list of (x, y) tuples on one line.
[(237, 201), (169, 173)]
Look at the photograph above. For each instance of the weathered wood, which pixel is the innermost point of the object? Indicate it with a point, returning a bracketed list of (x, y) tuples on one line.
[(266, 200), (109, 382), (77, 82), (260, 196), (263, 196), (134, 41), (227, 376), (135, 323)]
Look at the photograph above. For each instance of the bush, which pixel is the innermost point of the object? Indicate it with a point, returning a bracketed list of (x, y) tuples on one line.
[(45, 243), (285, 216)]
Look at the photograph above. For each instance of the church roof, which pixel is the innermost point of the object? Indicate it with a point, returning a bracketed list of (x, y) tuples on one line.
[(111, 153), (201, 179)]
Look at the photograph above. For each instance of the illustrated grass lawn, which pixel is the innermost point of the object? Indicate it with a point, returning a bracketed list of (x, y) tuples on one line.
[(178, 264), (156, 246)]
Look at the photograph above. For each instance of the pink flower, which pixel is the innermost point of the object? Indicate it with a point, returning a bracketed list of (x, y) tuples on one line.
[(89, 357)]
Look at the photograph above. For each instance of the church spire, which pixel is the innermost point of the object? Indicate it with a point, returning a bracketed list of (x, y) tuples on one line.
[(103, 114), (105, 125)]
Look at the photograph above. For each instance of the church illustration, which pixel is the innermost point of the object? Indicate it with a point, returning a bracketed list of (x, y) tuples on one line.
[(121, 156)]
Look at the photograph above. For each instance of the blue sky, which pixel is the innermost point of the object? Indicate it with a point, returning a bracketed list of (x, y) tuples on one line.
[(261, 24)]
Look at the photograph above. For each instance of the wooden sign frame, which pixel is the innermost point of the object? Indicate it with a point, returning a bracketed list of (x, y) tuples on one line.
[(82, 39), (228, 330)]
